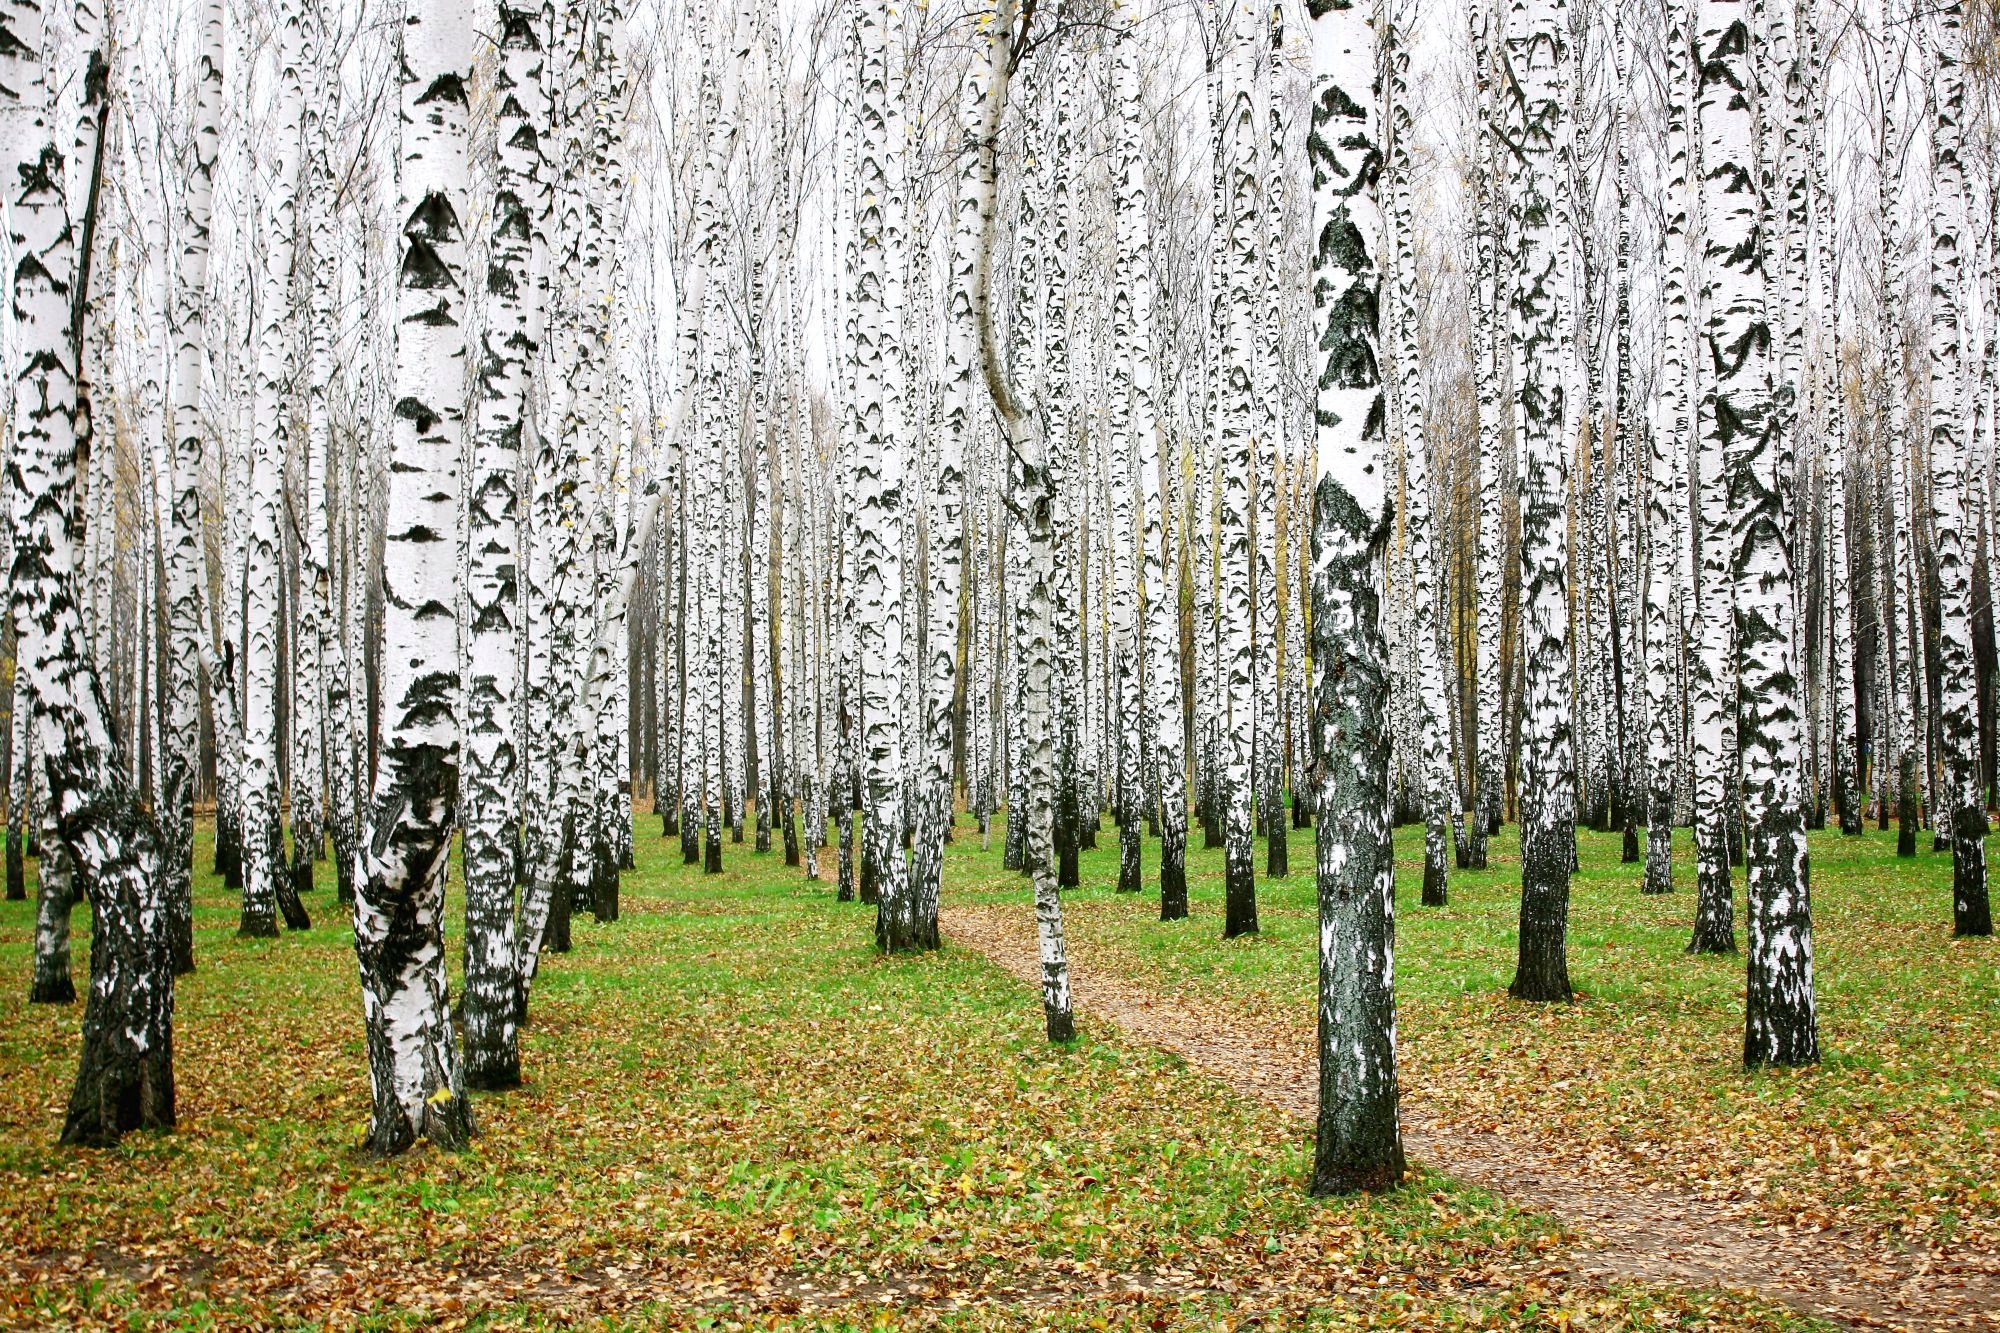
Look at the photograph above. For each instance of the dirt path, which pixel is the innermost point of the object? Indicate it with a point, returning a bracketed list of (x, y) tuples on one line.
[(1634, 1229)]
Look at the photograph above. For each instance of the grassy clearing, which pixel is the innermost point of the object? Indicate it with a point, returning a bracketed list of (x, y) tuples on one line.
[(1895, 1135), (733, 1096)]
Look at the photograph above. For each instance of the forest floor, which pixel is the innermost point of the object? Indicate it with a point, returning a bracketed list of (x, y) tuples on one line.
[(1866, 1189), (739, 1115)]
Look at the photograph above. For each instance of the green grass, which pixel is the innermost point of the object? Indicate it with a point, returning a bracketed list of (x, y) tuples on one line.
[(730, 1093), (1896, 1134)]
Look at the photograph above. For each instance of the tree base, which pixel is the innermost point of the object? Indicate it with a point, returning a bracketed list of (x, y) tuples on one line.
[(1129, 878), (257, 926), (1437, 892), (501, 1074), (52, 990), (1173, 889), (1239, 895)]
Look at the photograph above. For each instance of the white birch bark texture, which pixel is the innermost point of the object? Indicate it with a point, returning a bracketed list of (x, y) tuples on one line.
[(1433, 735), (1779, 1021), (1536, 57), (1025, 428), (183, 560), (125, 1075), (947, 516), (1490, 785), (270, 438), (878, 473), (1664, 537), (1242, 272), (1124, 413), (413, 1061), (510, 343), (1359, 1135), (1161, 674), (1964, 806)]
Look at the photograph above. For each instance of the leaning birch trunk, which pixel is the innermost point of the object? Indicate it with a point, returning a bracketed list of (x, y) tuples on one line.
[(125, 1076), (1029, 480), (399, 893), (1537, 58), (1964, 809), (1779, 1022), (182, 561), (263, 850), (947, 519), (1359, 1140), (512, 337)]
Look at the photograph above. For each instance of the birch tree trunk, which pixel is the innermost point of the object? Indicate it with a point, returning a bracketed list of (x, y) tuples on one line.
[(1537, 62), (947, 517), (878, 476), (1433, 724), (1964, 808), (1359, 1137), (1664, 537), (413, 1057), (125, 1074), (263, 571), (1026, 430), (1241, 269), (1491, 785), (511, 341), (183, 561), (1779, 1023)]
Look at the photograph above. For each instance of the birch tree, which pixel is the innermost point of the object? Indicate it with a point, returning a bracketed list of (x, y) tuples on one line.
[(1536, 55), (1359, 1140), (413, 1058), (1779, 1022), (125, 1076)]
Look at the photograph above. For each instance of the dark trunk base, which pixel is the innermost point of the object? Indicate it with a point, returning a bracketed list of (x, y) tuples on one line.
[(1239, 894), (1061, 1027), (604, 889), (53, 989), (1173, 885), (288, 898), (256, 926), (1277, 850), (1130, 879), (118, 1091), (1971, 912), (1437, 891), (17, 870), (791, 836), (555, 936), (228, 850), (492, 1071), (1541, 969), (1629, 852)]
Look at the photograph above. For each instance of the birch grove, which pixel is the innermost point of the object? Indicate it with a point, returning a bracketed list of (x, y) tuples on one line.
[(842, 428)]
